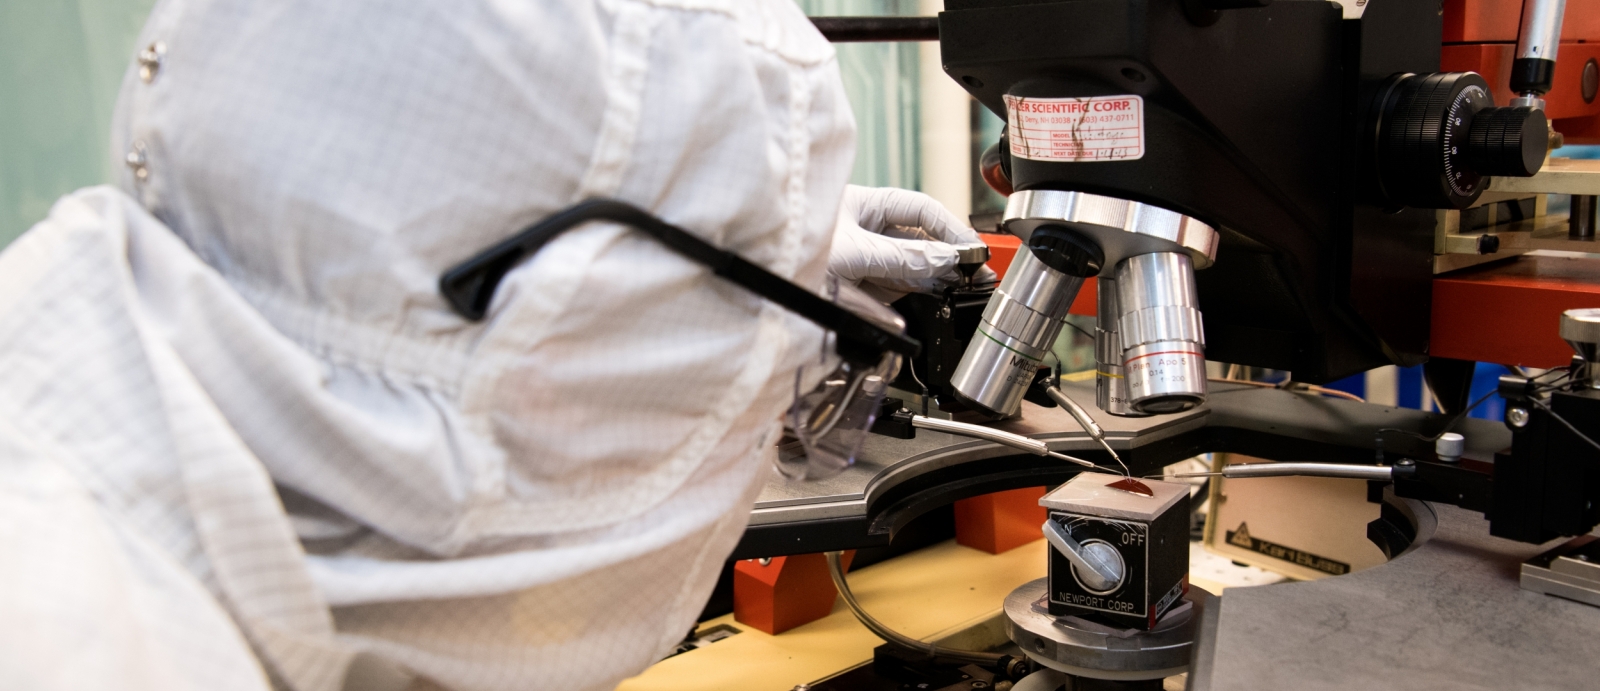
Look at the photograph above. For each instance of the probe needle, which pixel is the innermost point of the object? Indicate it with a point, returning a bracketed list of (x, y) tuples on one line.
[(1070, 459), (1016, 441), (1086, 422)]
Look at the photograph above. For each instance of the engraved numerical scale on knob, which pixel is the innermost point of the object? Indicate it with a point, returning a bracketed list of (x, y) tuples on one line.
[(1439, 137), (1463, 180)]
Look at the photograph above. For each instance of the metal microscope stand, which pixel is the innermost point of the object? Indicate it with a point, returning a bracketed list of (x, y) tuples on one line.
[(896, 480), (1447, 610)]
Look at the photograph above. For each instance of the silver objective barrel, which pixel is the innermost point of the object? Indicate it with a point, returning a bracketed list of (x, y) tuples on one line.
[(1163, 340), (1071, 236), (1110, 385), (1019, 326)]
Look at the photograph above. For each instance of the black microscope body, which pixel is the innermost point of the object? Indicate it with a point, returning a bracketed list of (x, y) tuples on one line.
[(1271, 124)]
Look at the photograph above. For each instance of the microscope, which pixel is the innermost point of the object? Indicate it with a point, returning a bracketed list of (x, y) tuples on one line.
[(1245, 180), (1254, 182)]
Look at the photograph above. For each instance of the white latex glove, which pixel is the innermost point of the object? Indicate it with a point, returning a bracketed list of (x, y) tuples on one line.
[(891, 242)]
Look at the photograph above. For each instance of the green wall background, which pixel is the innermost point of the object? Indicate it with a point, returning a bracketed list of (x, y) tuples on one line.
[(881, 80), (61, 62)]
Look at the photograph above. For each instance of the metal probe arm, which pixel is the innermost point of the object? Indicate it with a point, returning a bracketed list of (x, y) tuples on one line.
[(1015, 441), (895, 421), (1088, 424), (1381, 473)]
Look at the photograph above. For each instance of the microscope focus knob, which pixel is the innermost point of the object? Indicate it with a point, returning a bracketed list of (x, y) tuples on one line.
[(1508, 141), (1439, 136)]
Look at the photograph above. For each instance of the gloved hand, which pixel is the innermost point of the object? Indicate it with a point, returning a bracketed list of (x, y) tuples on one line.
[(891, 242)]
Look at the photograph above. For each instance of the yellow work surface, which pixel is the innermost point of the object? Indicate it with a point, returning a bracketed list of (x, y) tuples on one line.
[(929, 594)]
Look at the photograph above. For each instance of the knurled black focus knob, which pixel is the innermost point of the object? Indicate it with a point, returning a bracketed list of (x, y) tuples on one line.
[(1439, 136), (1507, 141)]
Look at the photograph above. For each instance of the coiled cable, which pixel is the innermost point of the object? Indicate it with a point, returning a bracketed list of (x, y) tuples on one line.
[(895, 638)]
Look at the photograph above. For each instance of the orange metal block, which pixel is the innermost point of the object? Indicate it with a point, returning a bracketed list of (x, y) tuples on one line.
[(1493, 61), (1579, 130), (1483, 21), (1565, 99), (1581, 22), (1003, 249), (1001, 521), (1479, 21), (1088, 301), (785, 592), (1508, 312)]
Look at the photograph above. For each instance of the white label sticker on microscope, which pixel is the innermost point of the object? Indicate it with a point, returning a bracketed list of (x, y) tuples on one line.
[(1098, 128), (1353, 8)]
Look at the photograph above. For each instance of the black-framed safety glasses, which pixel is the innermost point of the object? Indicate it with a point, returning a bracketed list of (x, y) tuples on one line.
[(836, 398)]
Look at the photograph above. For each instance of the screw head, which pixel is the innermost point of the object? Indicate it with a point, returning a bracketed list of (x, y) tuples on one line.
[(1517, 417), (137, 161), (1589, 82), (150, 61)]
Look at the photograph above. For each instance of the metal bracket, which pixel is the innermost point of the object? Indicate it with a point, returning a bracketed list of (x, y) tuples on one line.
[(1571, 570)]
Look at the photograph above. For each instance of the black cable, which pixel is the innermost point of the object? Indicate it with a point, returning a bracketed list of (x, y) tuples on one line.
[(1565, 372), (1448, 426), (1080, 329), (911, 364), (1548, 386), (895, 638), (1563, 421)]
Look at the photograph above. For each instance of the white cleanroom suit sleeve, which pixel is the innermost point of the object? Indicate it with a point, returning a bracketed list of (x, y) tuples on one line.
[(90, 603), (538, 500), (133, 521)]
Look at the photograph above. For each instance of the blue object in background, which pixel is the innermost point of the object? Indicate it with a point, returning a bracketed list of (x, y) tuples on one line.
[(1355, 385), (1409, 383), (1485, 379), (1576, 152), (1408, 387)]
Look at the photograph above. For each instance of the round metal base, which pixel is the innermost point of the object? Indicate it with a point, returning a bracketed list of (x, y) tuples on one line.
[(1081, 648)]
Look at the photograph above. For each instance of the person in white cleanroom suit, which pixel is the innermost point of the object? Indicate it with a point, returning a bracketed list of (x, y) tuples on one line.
[(245, 444)]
